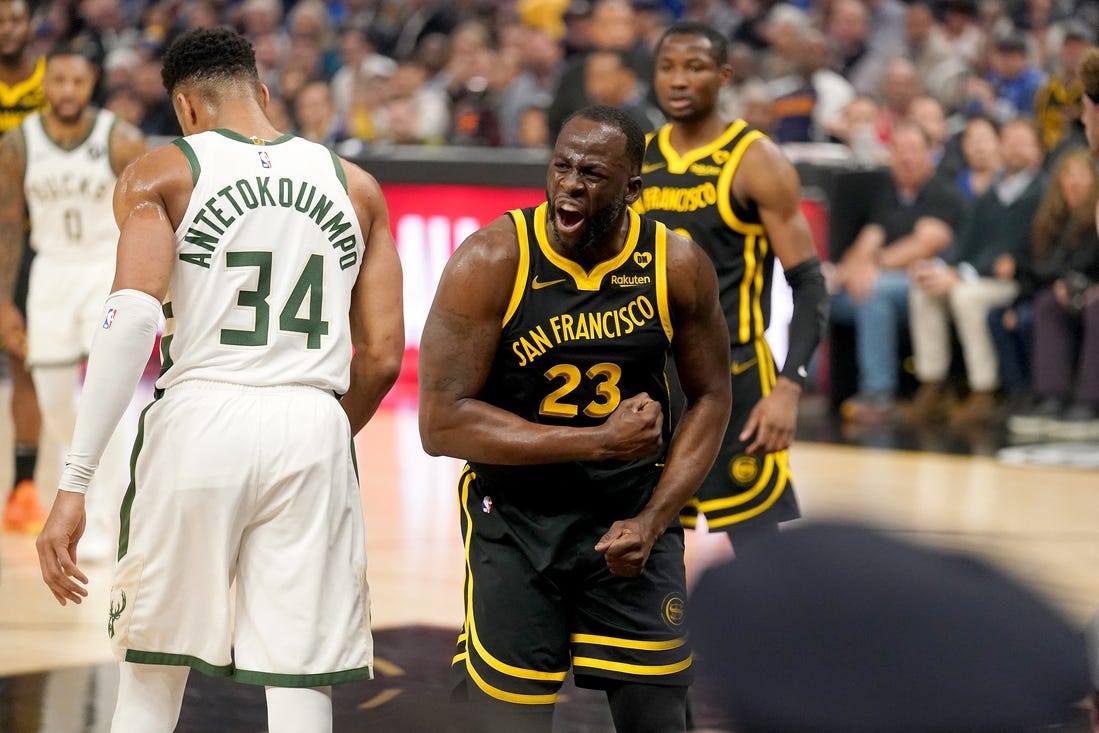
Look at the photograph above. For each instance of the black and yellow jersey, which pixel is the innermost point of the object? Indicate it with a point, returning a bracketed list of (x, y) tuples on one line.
[(1054, 102), (692, 195), (574, 344), (22, 98)]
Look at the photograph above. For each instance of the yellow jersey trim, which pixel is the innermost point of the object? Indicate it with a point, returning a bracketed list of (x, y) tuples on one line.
[(725, 187), (639, 669), (586, 280), (662, 280), (767, 375), (504, 695), (656, 646), (757, 301), (679, 164), (11, 95), (523, 270), (744, 332)]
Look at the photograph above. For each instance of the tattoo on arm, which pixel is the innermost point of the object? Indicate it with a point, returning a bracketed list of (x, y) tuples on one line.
[(12, 210), (460, 334)]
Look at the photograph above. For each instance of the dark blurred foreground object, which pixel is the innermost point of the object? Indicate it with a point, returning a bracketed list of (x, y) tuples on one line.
[(841, 628), (1091, 635)]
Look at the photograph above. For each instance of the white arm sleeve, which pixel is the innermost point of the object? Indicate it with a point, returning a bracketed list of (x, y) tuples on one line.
[(119, 352)]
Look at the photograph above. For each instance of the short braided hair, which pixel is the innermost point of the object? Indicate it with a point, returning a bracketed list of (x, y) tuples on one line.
[(612, 117), (208, 55), (719, 44)]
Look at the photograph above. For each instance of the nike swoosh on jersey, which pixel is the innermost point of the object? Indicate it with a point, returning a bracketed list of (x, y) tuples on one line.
[(739, 367), (650, 167), (537, 284)]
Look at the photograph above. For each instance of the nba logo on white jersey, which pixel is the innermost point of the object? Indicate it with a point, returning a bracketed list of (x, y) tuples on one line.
[(109, 318), (264, 159)]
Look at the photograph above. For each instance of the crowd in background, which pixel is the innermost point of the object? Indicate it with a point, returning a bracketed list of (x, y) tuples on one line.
[(506, 72), (1017, 207)]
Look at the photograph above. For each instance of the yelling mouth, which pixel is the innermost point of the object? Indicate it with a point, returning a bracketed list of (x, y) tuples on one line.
[(569, 218)]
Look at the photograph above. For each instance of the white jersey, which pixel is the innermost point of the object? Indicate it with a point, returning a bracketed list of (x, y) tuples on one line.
[(267, 254), (69, 192)]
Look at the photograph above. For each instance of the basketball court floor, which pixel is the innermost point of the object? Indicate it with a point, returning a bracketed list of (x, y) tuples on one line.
[(1040, 524)]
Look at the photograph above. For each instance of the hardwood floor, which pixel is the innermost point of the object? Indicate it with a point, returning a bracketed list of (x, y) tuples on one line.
[(1039, 524)]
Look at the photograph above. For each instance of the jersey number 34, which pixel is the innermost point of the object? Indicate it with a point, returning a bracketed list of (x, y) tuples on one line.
[(310, 285)]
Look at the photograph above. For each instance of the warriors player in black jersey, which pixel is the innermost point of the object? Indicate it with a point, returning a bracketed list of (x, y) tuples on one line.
[(732, 190), (542, 363)]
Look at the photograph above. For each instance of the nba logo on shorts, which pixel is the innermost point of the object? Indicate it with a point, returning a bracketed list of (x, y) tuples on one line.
[(486, 505), (109, 318), (264, 159)]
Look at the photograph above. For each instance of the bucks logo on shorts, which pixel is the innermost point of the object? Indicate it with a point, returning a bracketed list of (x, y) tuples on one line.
[(115, 610)]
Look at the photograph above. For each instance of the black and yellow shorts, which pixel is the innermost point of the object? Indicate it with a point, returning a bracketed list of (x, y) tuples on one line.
[(742, 488), (524, 625)]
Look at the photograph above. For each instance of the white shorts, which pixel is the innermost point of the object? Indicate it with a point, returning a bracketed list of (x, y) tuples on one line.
[(256, 485), (64, 307)]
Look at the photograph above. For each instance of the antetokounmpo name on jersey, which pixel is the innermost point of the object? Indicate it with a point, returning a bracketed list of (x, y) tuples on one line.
[(216, 216), (669, 198), (583, 326)]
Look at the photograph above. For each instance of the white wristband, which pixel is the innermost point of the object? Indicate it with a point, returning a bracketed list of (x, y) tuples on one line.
[(120, 350)]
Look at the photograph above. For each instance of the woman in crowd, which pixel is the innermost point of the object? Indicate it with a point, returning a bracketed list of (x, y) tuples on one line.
[(1049, 339)]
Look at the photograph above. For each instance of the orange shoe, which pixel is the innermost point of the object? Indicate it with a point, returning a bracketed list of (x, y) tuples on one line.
[(24, 511)]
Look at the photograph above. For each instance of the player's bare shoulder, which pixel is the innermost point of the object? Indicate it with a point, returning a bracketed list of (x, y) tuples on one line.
[(765, 151), (127, 143), (492, 249), (162, 165), (162, 176), (765, 175), (480, 276), (363, 189), (683, 253)]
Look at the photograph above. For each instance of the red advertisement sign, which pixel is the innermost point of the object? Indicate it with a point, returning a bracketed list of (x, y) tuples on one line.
[(429, 221)]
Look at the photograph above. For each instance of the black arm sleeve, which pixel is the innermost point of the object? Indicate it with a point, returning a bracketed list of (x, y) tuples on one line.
[(809, 319)]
